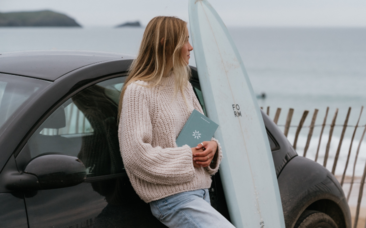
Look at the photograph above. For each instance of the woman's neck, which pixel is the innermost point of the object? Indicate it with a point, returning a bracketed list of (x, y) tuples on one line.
[(168, 70), (167, 74)]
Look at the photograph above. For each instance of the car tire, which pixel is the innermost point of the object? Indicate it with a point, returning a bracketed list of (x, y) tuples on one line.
[(315, 219)]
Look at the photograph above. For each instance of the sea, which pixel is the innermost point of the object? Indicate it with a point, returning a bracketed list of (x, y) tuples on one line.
[(299, 68)]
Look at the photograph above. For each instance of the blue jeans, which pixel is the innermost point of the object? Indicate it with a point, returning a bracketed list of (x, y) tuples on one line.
[(188, 210)]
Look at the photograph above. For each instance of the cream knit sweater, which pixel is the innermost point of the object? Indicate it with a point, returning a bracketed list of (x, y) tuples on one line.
[(151, 120)]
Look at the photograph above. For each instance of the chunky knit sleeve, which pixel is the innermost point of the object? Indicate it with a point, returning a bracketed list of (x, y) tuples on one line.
[(156, 165), (214, 167)]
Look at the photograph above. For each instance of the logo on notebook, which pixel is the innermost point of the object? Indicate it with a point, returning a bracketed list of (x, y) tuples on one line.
[(196, 134)]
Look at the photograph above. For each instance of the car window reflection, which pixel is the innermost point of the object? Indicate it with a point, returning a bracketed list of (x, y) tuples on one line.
[(85, 126)]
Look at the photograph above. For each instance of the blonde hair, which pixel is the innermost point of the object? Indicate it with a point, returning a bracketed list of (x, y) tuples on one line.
[(160, 53)]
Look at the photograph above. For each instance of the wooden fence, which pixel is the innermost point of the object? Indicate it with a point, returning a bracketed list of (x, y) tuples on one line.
[(332, 125)]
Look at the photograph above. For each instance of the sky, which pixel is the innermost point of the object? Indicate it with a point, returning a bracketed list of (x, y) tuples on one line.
[(235, 13)]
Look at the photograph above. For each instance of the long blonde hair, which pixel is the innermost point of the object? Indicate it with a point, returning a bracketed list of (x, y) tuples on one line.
[(160, 53)]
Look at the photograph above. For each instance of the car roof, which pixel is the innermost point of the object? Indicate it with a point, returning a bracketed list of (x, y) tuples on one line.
[(51, 65)]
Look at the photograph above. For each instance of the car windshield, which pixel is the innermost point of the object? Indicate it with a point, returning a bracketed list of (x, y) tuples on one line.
[(14, 92)]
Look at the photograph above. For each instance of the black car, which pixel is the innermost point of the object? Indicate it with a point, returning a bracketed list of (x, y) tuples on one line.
[(60, 164)]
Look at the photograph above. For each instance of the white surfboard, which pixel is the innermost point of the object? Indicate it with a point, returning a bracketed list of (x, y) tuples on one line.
[(247, 170)]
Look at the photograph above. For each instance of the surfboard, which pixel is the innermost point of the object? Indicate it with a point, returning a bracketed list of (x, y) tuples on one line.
[(247, 169)]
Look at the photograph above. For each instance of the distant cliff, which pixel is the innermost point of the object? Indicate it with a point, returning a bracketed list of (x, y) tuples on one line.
[(130, 24), (36, 18)]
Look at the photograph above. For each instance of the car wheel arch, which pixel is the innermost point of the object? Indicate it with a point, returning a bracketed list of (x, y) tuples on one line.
[(306, 185)]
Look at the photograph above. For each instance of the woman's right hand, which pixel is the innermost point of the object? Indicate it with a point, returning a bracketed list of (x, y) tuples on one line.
[(194, 151)]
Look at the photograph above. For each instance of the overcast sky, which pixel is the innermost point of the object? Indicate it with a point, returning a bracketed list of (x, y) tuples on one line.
[(109, 13)]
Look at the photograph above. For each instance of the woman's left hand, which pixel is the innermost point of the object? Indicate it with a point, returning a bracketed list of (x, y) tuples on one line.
[(205, 157)]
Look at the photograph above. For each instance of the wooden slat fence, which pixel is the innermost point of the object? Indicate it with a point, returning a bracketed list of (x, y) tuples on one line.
[(358, 219)]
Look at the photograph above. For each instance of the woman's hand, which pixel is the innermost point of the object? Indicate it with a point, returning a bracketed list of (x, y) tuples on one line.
[(205, 153), (196, 151)]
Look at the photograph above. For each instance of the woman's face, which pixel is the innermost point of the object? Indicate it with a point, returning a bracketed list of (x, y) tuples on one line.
[(186, 49)]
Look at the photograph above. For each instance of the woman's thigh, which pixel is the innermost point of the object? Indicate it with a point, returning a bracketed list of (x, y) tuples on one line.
[(188, 209)]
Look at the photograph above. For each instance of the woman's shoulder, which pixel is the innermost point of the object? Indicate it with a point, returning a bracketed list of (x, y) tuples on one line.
[(137, 93), (138, 87)]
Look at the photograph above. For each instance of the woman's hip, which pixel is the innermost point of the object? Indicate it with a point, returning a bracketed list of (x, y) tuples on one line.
[(188, 209)]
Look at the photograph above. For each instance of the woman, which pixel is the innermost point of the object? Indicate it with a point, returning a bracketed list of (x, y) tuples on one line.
[(155, 103)]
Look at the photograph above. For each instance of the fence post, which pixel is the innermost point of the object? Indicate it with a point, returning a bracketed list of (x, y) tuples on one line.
[(354, 165), (277, 115), (84, 119), (288, 120), (330, 138), (360, 193), (69, 120), (302, 120), (321, 134), (340, 141), (77, 121), (310, 131), (350, 147)]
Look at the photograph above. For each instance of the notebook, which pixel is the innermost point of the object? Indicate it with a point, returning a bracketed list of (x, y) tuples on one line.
[(197, 129)]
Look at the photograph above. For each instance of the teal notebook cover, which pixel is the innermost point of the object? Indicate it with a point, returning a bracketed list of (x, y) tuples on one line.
[(197, 129)]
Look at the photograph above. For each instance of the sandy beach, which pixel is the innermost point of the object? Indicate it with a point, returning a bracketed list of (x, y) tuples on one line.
[(353, 199)]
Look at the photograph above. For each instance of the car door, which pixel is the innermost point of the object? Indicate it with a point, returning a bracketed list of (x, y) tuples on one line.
[(85, 126)]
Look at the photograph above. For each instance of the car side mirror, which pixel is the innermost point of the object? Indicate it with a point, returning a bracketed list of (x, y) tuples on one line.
[(48, 172)]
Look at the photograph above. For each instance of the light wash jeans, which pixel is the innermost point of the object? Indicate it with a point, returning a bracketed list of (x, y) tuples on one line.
[(188, 210)]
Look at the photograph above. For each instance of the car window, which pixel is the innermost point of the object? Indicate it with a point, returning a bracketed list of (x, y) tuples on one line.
[(272, 141), (85, 126), (199, 95), (14, 92), (2, 90)]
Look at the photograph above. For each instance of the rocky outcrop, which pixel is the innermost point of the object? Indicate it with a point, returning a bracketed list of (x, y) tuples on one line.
[(45, 18), (130, 24)]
